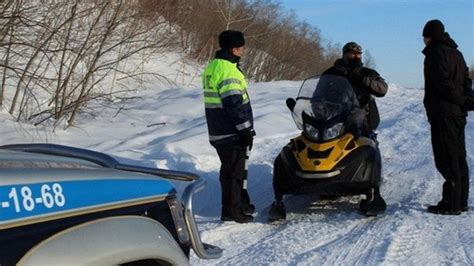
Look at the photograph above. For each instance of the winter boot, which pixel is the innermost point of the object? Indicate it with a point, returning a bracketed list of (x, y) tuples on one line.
[(374, 204), (236, 216), (277, 212), (248, 209), (443, 209)]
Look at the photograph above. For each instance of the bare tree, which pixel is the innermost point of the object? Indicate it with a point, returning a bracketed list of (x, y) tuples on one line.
[(278, 45), (39, 54), (13, 16), (231, 12), (471, 72), (57, 56), (67, 50)]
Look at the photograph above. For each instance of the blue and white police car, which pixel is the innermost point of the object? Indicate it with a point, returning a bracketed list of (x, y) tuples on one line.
[(67, 206)]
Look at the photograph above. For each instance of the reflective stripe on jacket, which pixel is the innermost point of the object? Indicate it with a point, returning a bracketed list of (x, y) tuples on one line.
[(226, 101)]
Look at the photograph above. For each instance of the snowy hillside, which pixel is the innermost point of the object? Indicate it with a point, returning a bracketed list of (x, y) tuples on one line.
[(164, 126)]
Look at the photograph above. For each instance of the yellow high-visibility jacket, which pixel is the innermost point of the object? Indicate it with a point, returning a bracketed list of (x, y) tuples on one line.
[(226, 100)]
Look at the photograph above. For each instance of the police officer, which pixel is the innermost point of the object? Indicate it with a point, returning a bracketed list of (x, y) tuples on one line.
[(365, 81), (230, 124)]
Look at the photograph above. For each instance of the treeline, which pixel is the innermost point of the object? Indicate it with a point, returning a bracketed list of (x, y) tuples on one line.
[(56, 56), (279, 46), (471, 72)]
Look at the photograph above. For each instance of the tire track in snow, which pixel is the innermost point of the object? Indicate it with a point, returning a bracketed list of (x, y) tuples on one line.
[(403, 235), (405, 244), (301, 233), (468, 239), (413, 237), (350, 237)]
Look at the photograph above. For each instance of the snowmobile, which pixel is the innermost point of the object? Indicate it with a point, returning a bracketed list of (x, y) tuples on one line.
[(332, 156)]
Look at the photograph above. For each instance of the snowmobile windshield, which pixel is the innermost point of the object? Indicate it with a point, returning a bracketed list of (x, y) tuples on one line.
[(326, 101)]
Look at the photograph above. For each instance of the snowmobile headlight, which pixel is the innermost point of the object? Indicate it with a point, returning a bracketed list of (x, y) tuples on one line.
[(333, 131), (311, 131)]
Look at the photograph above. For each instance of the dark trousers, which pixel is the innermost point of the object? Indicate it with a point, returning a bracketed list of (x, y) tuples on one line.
[(449, 149), (232, 175)]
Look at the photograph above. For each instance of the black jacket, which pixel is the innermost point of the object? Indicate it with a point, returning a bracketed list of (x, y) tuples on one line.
[(445, 74), (366, 82)]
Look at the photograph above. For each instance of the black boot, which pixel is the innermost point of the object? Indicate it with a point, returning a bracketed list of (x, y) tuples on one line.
[(236, 216), (374, 204), (443, 209), (277, 212), (248, 209)]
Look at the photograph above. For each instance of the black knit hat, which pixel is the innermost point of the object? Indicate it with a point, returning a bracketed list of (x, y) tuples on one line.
[(352, 47), (231, 39), (433, 29)]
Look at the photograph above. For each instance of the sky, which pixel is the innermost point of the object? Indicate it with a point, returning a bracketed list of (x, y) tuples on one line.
[(390, 30)]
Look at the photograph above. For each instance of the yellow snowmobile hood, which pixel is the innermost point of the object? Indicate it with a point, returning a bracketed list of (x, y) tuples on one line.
[(323, 157)]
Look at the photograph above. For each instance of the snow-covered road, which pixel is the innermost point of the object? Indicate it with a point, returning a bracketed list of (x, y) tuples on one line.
[(165, 127), (332, 231)]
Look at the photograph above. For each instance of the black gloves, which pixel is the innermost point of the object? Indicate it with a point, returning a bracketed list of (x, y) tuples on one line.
[(469, 103), (246, 137), (355, 131)]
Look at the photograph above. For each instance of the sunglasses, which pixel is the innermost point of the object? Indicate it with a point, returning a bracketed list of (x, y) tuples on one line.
[(355, 54)]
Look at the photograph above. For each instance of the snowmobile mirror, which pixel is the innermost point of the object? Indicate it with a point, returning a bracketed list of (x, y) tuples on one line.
[(290, 102)]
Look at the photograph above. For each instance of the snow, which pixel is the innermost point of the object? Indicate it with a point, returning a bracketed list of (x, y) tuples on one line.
[(164, 126)]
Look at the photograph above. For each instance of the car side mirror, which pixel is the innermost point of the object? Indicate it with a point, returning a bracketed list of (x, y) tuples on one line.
[(290, 102)]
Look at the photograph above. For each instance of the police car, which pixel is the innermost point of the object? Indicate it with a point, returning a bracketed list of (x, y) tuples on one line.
[(67, 206)]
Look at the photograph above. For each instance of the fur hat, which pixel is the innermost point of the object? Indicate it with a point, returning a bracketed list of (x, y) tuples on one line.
[(231, 39), (433, 29)]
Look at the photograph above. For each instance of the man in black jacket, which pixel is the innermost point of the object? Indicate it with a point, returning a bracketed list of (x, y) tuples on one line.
[(446, 74), (365, 81)]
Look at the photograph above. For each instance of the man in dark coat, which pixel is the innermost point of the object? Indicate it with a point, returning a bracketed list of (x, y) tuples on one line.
[(445, 74), (365, 81)]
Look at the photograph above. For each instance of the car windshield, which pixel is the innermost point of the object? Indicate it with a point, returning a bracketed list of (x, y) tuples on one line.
[(324, 98)]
